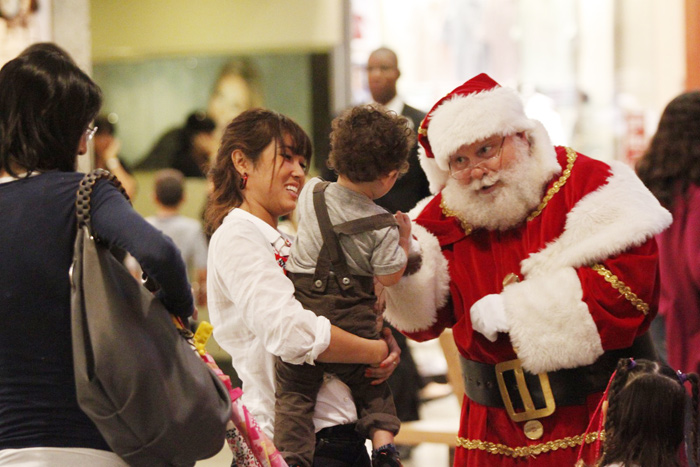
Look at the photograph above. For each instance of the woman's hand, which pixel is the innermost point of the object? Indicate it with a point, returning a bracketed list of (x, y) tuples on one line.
[(380, 373)]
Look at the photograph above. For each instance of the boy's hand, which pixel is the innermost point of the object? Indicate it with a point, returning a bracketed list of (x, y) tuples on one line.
[(404, 225)]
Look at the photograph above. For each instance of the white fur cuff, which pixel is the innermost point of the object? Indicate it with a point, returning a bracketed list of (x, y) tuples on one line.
[(412, 304), (551, 327)]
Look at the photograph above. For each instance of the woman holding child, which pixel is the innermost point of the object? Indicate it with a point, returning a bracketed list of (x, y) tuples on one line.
[(259, 172)]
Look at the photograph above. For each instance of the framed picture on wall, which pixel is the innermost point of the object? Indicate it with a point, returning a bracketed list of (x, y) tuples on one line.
[(22, 22)]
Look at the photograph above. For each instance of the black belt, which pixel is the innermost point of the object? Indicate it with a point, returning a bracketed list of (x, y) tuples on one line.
[(569, 386)]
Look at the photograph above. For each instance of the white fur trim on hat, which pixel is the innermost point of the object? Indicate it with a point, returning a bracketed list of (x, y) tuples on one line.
[(437, 178), (540, 148), (465, 119)]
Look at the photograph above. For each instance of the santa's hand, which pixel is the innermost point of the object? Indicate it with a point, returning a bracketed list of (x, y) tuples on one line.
[(488, 316)]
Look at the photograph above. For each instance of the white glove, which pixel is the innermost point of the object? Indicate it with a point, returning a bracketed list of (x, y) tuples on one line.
[(488, 316)]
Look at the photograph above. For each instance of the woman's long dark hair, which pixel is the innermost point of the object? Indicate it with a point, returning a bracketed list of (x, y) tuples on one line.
[(46, 103), (250, 132), (644, 424), (672, 162)]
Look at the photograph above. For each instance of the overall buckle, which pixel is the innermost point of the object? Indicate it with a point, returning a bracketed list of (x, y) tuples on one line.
[(530, 412)]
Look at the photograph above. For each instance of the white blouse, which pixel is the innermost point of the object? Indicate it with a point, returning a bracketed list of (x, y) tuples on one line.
[(256, 317)]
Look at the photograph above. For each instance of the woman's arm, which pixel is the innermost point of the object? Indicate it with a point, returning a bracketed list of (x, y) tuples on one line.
[(349, 348), (243, 264), (115, 222)]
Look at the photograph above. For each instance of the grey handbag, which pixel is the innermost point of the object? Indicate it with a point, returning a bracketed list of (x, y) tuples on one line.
[(151, 396)]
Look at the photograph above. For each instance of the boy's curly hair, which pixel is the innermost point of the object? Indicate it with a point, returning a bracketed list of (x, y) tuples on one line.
[(368, 142)]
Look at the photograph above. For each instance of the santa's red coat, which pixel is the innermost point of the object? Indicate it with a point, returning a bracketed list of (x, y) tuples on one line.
[(562, 314)]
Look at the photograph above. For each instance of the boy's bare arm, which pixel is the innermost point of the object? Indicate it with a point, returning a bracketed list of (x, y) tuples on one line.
[(404, 242)]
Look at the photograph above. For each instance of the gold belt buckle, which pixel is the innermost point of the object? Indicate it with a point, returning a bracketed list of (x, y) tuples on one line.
[(530, 411)]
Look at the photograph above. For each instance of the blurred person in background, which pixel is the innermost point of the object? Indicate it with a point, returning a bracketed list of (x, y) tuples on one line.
[(382, 74), (187, 233), (670, 168), (106, 146), (237, 88), (47, 105), (188, 148)]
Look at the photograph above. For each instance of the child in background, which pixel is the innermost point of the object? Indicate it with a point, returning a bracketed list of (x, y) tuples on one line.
[(645, 415), (343, 243), (187, 233)]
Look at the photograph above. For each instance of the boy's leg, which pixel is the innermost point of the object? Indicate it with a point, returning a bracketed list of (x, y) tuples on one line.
[(377, 414), (375, 406), (296, 390)]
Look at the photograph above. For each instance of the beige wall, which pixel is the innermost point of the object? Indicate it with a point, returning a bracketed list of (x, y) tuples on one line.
[(148, 28), (650, 50)]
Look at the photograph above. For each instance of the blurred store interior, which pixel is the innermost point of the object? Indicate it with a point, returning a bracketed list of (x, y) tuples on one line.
[(597, 73)]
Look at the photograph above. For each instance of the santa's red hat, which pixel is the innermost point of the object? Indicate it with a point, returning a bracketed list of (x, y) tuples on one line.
[(476, 110)]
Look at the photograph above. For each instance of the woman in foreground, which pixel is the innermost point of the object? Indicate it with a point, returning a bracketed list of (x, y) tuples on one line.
[(46, 106)]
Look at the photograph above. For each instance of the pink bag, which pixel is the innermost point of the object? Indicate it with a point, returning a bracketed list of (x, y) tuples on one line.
[(250, 445)]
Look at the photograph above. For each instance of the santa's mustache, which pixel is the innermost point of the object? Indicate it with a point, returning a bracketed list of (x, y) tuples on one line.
[(485, 182)]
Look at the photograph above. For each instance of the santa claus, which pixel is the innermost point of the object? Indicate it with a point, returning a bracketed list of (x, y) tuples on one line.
[(543, 263)]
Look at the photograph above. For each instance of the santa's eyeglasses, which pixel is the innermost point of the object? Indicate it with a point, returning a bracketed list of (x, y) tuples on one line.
[(461, 167)]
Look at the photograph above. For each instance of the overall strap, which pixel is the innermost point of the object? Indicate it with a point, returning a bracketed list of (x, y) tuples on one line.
[(331, 255), (364, 224)]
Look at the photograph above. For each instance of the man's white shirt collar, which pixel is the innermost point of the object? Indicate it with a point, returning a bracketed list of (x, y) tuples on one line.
[(396, 104)]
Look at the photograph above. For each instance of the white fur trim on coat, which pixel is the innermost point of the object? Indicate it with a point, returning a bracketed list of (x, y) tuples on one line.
[(617, 216), (412, 304), (465, 119), (418, 208), (550, 325)]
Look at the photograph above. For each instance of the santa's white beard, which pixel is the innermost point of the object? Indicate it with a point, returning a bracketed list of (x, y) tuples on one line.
[(520, 192)]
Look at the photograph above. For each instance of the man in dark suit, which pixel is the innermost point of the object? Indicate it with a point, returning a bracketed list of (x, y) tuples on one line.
[(382, 74)]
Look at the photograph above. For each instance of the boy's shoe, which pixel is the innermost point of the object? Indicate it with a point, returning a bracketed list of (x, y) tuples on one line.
[(386, 456)]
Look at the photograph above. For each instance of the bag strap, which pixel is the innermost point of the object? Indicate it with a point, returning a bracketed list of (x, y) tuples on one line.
[(82, 203)]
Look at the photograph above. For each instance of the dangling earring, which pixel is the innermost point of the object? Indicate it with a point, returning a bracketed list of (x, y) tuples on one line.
[(244, 181)]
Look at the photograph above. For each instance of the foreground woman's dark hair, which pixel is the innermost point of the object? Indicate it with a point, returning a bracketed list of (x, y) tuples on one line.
[(46, 102)]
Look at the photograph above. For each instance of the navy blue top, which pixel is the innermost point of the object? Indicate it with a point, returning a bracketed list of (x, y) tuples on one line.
[(38, 405)]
